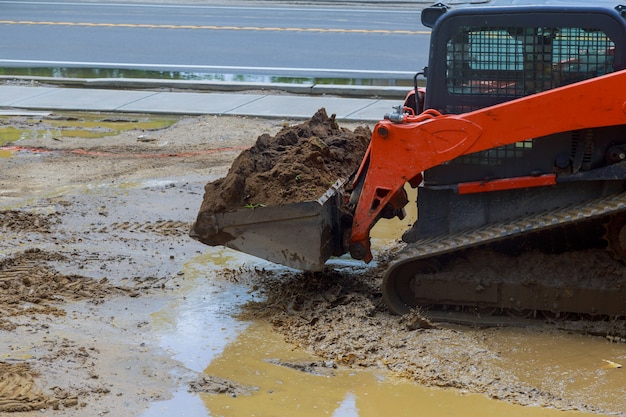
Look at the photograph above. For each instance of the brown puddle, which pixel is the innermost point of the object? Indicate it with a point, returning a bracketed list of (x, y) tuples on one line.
[(569, 365), (258, 358)]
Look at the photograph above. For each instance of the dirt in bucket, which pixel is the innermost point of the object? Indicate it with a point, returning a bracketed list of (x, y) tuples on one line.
[(298, 164)]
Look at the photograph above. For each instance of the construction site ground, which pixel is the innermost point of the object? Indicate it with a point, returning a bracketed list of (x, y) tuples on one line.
[(109, 308)]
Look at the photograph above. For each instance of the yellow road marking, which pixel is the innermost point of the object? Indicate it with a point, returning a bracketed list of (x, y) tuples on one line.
[(213, 27)]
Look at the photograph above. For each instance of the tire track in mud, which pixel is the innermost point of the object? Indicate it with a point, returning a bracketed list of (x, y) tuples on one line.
[(18, 389), (161, 227), (28, 285), (34, 297), (29, 288), (21, 228), (14, 220)]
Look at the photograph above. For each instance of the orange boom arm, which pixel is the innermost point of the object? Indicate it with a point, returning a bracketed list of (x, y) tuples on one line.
[(400, 151)]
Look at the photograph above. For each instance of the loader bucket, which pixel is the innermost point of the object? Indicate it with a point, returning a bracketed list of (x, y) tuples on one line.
[(299, 235)]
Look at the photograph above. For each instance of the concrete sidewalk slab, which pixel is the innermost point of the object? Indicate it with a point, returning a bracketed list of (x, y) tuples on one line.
[(27, 113), (80, 99), (190, 103), (374, 111), (302, 106), (12, 96), (193, 103)]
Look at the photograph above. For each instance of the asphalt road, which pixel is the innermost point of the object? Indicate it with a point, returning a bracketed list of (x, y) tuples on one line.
[(382, 40)]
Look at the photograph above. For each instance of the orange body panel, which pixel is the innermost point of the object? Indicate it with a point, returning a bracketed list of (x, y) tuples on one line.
[(506, 184), (400, 152)]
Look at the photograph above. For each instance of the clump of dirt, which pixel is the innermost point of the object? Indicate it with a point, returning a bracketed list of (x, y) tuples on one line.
[(321, 368), (298, 164), (215, 385)]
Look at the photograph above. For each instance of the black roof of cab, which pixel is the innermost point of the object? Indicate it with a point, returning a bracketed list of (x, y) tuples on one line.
[(431, 14)]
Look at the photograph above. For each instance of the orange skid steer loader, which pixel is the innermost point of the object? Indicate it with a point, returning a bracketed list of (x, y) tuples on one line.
[(519, 138)]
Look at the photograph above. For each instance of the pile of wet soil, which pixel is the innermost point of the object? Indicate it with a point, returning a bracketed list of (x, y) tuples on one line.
[(340, 316), (298, 164)]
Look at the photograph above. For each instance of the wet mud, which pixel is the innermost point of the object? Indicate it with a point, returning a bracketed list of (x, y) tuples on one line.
[(340, 316), (109, 308)]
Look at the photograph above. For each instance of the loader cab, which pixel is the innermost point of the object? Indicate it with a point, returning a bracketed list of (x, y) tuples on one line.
[(486, 53), (482, 55)]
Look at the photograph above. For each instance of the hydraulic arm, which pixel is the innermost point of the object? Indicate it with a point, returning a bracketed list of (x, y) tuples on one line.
[(403, 148)]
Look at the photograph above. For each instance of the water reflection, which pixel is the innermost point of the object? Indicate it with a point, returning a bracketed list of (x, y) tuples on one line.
[(347, 408), (199, 325), (122, 73), (78, 125)]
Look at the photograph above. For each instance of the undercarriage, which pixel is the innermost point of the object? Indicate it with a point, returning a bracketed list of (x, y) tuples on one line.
[(499, 269)]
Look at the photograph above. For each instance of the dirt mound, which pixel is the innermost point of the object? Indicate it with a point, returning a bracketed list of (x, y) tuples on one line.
[(298, 164)]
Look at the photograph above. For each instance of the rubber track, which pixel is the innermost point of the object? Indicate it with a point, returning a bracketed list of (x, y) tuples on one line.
[(427, 248), (493, 233)]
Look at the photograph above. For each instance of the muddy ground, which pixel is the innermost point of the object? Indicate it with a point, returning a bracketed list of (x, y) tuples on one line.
[(94, 241)]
